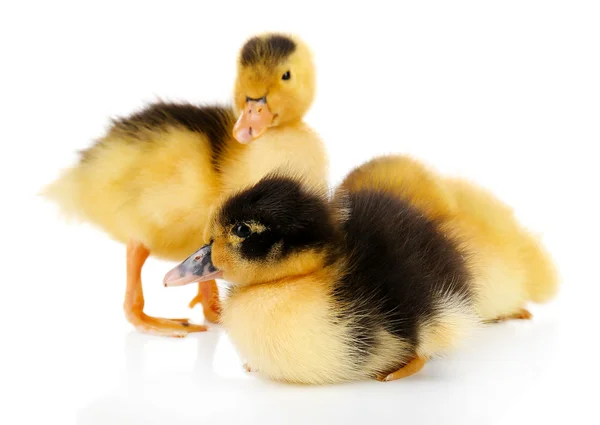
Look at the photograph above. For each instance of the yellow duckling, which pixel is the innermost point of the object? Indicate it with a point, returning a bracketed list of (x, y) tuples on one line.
[(151, 180), (399, 267)]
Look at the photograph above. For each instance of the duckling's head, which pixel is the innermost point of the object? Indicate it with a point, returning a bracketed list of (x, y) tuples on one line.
[(275, 84), (275, 229)]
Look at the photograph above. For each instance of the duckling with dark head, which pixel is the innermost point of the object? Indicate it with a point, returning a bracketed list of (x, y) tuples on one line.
[(370, 284)]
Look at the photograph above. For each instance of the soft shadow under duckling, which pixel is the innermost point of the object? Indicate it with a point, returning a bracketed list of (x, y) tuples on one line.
[(370, 284)]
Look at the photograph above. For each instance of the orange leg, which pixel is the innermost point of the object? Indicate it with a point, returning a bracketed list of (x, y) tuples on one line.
[(408, 369), (208, 296), (521, 314), (134, 300)]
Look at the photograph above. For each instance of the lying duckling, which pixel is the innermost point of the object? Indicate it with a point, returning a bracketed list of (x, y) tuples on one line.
[(371, 284), (508, 264), (150, 182)]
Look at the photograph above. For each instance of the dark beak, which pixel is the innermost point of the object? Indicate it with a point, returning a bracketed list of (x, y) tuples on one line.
[(197, 268)]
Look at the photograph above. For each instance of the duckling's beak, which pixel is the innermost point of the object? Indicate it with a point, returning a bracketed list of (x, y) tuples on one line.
[(197, 268), (253, 121)]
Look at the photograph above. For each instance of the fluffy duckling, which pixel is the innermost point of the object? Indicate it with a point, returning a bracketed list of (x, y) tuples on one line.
[(399, 267), (151, 180), (508, 264)]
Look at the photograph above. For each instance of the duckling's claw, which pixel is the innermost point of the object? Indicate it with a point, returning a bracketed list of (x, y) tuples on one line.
[(408, 369)]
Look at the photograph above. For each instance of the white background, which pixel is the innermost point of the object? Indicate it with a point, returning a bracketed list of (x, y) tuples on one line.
[(505, 93)]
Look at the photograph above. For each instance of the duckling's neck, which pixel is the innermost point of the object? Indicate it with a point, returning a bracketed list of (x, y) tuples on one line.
[(317, 278), (322, 266), (292, 125)]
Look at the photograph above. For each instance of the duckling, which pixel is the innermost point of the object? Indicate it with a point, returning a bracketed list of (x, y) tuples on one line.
[(397, 268), (151, 180), (509, 265)]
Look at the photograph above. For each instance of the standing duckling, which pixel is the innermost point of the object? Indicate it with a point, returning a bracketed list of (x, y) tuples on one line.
[(399, 267), (150, 182)]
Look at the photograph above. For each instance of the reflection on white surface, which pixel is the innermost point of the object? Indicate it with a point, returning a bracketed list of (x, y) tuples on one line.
[(200, 379)]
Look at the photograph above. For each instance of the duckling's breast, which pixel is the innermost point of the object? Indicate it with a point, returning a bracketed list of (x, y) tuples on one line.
[(295, 149), (288, 332)]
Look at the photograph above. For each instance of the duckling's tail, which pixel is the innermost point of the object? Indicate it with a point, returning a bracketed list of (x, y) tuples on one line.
[(490, 225), (64, 192), (542, 278)]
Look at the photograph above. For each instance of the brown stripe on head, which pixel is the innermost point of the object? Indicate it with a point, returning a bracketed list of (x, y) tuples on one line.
[(270, 50)]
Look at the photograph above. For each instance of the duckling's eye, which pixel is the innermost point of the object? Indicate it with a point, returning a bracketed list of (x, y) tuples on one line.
[(286, 76), (241, 230)]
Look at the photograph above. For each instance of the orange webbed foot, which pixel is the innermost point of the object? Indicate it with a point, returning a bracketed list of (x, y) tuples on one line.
[(408, 369), (177, 328), (521, 314)]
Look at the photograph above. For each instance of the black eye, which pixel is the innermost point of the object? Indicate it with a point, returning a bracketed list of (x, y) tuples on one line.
[(241, 230), (286, 76)]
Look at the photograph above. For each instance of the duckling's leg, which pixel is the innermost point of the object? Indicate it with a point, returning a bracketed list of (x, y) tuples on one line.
[(134, 300), (408, 369), (521, 314), (208, 296)]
